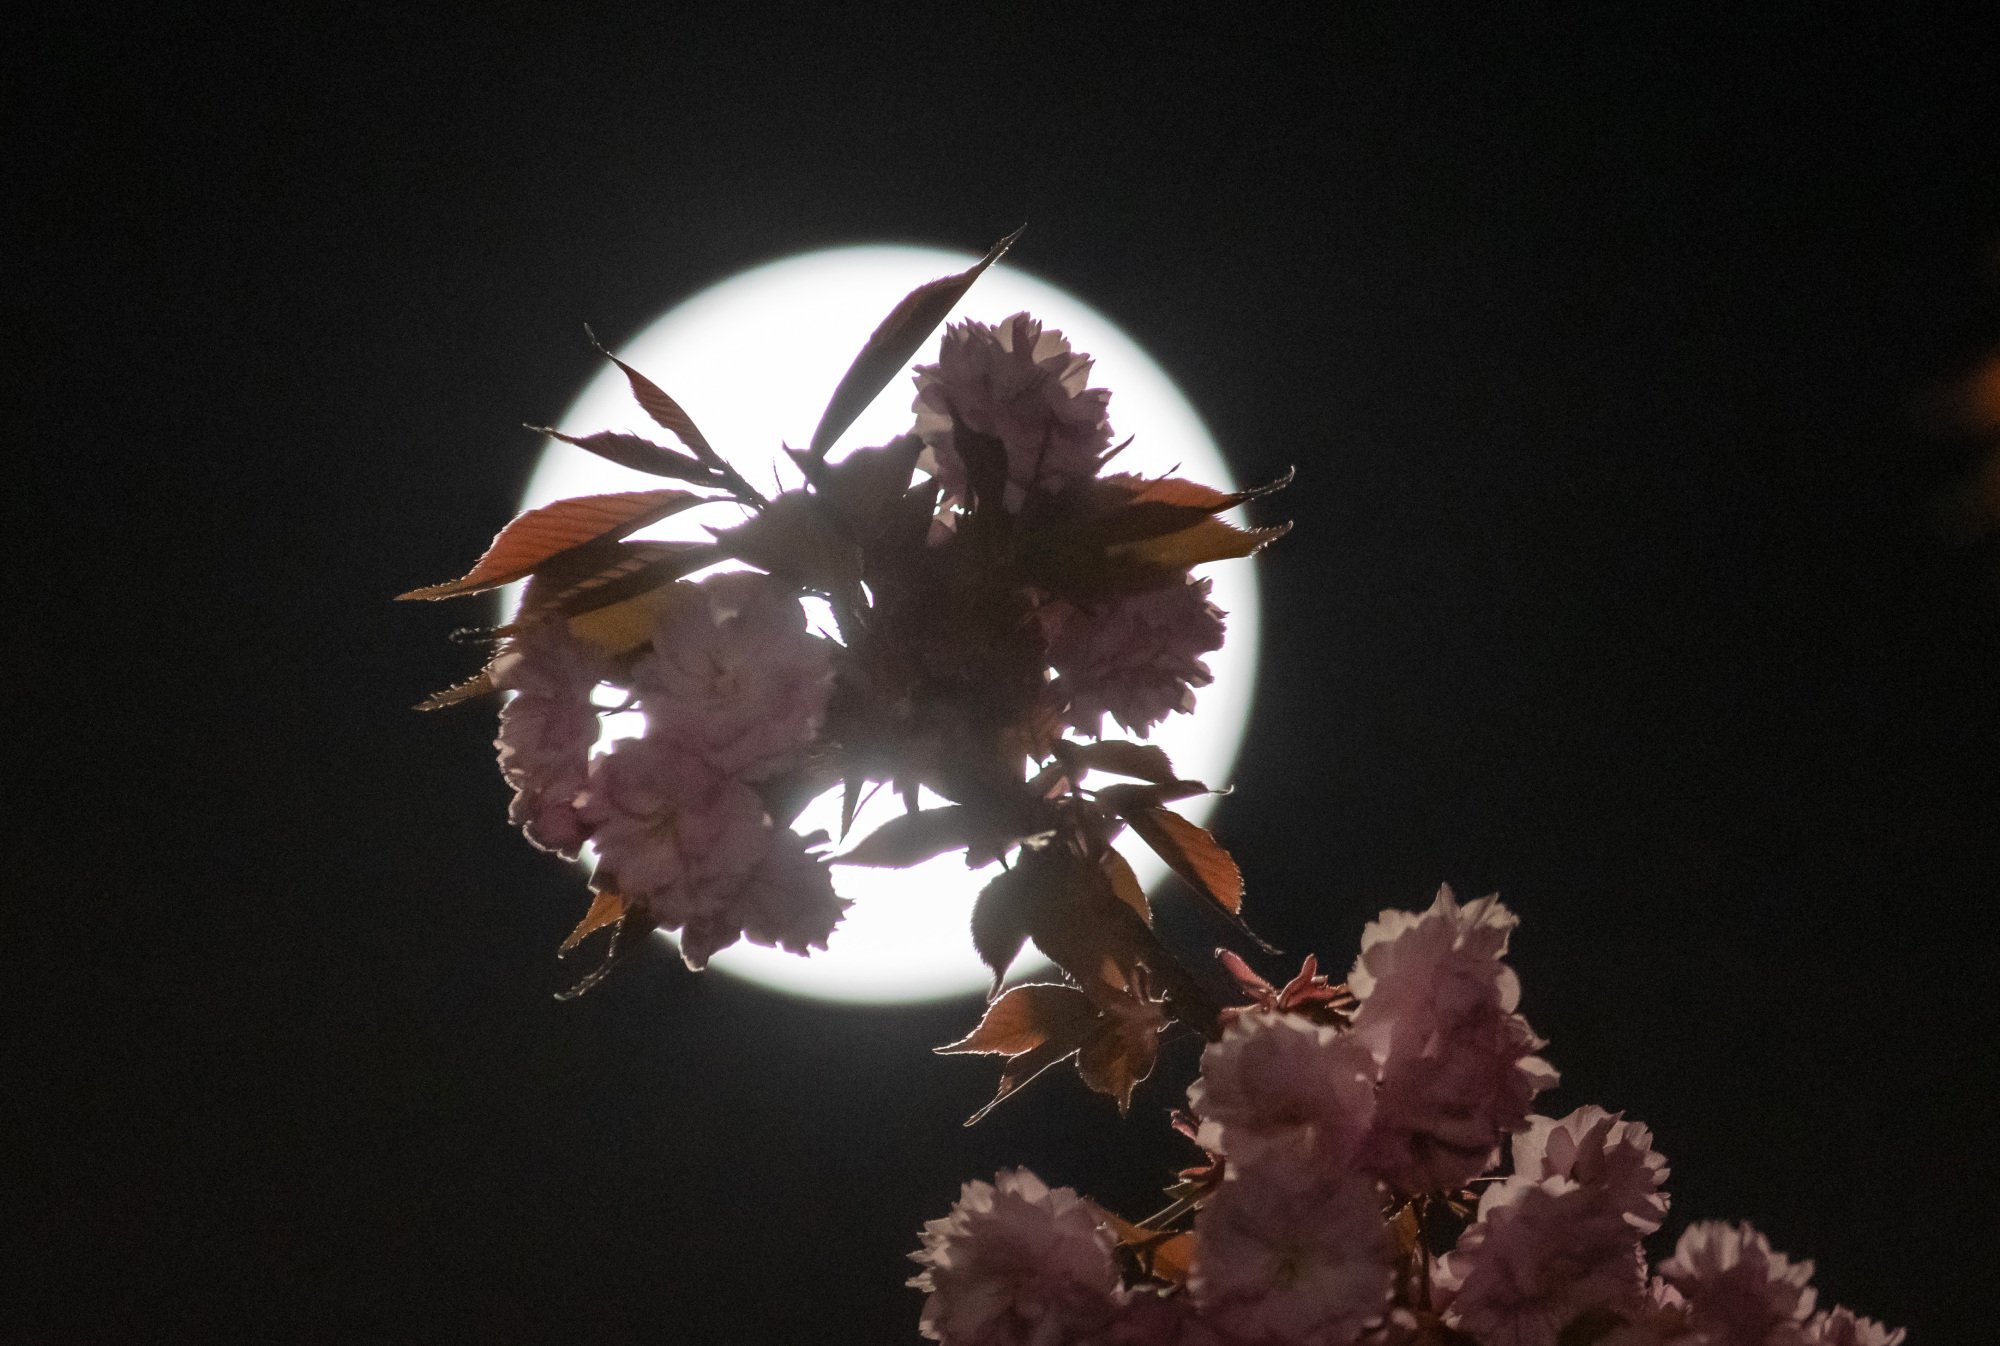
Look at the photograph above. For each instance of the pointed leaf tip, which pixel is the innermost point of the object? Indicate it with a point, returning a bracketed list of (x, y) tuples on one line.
[(891, 345), (666, 413), (540, 535)]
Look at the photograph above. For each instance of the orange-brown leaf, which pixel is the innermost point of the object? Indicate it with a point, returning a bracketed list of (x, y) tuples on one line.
[(540, 535), (1019, 1070), (1181, 491), (1210, 539), (889, 349), (1125, 885), (479, 684), (1171, 1259), (1194, 854), (605, 909), (1025, 1018), (1116, 1056)]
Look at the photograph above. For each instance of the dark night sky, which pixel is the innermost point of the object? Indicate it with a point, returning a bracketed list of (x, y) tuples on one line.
[(1600, 343)]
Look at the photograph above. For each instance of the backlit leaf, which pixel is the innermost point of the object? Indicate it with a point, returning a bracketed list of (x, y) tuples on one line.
[(638, 453), (1119, 1052), (1000, 922), (888, 351), (1035, 1027), (911, 838), (1024, 1019), (1083, 927), (538, 536), (1209, 540), (1020, 1070), (666, 412), (1194, 854), (479, 684)]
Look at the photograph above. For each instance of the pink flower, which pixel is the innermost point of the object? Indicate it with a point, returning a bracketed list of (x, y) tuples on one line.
[(1016, 1263), (1278, 1087), (1022, 386), (1458, 1068), (1446, 958), (1840, 1327), (1612, 1159), (1740, 1292), (547, 730), (1137, 659), (1542, 1254), (1284, 1258), (786, 902), (734, 676), (695, 850)]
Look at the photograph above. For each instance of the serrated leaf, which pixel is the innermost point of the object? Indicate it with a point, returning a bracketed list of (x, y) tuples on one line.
[(1000, 921), (605, 909), (1126, 508), (638, 453), (911, 838), (1211, 539), (539, 536), (1035, 1027), (1182, 492), (1117, 1055), (1021, 1070), (1080, 924), (479, 684), (633, 928), (1193, 853), (1024, 1019), (666, 412), (888, 350)]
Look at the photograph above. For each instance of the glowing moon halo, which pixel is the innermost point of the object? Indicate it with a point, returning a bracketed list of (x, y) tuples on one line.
[(753, 360)]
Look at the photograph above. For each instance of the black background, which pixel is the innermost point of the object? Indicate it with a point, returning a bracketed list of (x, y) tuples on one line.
[(1602, 340)]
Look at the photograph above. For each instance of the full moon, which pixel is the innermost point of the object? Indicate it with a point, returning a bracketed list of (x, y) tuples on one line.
[(753, 360)]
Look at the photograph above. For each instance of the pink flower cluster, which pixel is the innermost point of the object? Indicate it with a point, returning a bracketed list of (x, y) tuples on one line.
[(1339, 1142), (732, 688), (1135, 658), (1024, 387)]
